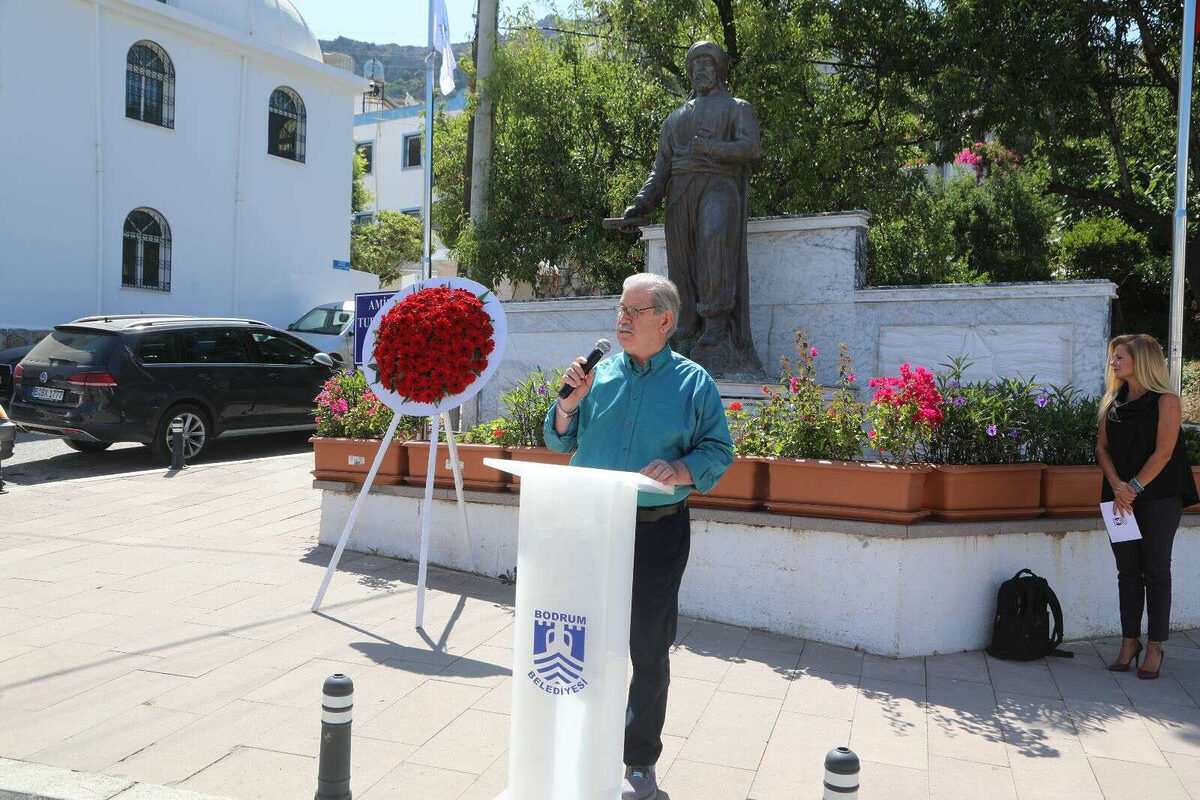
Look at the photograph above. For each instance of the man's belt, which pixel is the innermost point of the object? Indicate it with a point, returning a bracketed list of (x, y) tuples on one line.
[(655, 513)]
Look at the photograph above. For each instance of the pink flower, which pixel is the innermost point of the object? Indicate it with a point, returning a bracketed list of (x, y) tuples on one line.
[(318, 419), (814, 352), (794, 385), (850, 378), (871, 435)]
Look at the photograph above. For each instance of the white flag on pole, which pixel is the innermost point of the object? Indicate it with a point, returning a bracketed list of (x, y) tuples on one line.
[(441, 43)]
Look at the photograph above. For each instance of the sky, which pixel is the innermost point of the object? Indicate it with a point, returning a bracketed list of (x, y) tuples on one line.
[(397, 21)]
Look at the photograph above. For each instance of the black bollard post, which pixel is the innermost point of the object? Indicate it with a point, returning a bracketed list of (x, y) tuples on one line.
[(337, 708), (177, 461), (841, 774)]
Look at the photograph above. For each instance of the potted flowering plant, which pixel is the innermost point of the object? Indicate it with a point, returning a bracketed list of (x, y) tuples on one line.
[(527, 405), (744, 484), (982, 465), (350, 422), (817, 446), (485, 440), (1063, 437)]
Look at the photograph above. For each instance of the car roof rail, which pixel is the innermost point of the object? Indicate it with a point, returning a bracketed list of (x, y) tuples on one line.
[(193, 320), (118, 317)]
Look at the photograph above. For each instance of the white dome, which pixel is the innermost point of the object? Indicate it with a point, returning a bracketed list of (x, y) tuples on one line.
[(274, 23)]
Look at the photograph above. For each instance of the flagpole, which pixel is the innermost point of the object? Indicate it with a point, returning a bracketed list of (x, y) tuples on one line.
[(1179, 239), (427, 199)]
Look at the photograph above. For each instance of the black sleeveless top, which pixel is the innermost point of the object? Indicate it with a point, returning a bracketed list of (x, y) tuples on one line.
[(1132, 429)]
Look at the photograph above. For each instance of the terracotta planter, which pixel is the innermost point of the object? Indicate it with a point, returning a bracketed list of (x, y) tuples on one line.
[(847, 489), (988, 491), (743, 486), (471, 456), (351, 459), (1072, 491), (1196, 477), (539, 455)]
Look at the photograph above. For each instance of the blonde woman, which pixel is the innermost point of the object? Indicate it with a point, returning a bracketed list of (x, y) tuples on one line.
[(1146, 474)]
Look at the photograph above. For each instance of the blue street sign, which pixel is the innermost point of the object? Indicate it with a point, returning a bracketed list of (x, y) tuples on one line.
[(366, 306), (341, 264)]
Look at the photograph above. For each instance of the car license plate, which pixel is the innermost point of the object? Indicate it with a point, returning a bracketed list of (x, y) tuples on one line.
[(42, 393)]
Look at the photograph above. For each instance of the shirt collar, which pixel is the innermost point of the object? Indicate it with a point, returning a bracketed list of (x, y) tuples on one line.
[(658, 362)]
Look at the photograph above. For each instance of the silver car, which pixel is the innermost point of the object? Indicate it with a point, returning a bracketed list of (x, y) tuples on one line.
[(330, 328)]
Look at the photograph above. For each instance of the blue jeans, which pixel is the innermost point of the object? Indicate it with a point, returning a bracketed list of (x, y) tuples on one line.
[(660, 556)]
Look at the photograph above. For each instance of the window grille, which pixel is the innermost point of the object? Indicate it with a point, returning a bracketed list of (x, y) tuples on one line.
[(285, 125), (146, 251), (150, 85)]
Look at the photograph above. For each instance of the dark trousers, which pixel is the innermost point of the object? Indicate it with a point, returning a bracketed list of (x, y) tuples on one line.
[(1144, 569), (660, 556)]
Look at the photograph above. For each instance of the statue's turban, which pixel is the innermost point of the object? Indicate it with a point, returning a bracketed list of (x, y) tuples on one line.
[(714, 51)]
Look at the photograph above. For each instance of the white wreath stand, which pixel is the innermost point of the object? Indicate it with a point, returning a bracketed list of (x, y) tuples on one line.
[(439, 417), (426, 509)]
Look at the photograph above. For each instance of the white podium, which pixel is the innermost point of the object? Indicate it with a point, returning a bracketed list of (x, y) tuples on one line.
[(571, 631)]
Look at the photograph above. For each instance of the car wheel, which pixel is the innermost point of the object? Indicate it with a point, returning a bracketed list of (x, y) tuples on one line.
[(87, 447), (197, 433)]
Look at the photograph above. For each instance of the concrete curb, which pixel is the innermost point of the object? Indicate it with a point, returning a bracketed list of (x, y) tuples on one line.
[(24, 780)]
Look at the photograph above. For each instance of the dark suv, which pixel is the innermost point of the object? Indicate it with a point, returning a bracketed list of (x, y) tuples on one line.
[(100, 380)]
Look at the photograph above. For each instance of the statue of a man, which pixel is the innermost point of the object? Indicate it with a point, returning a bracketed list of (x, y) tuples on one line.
[(704, 155)]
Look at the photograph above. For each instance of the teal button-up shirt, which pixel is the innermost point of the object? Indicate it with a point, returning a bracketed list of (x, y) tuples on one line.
[(670, 410)]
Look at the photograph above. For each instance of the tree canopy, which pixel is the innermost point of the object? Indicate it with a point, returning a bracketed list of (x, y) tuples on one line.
[(851, 96)]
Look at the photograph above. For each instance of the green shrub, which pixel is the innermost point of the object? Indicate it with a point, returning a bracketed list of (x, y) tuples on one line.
[(1108, 248), (1064, 427), (964, 230), (527, 405)]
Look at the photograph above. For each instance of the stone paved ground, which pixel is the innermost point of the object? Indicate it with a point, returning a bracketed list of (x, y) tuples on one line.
[(156, 628)]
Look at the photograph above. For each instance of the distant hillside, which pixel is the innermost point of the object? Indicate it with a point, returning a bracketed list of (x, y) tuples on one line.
[(403, 65)]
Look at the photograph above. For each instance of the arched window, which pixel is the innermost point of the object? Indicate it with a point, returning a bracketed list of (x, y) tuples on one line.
[(150, 85), (285, 126), (146, 251)]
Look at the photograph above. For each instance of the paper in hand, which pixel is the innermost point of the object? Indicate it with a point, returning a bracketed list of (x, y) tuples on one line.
[(1120, 529)]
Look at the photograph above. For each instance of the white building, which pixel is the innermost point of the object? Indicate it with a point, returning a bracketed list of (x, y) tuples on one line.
[(393, 142), (170, 156)]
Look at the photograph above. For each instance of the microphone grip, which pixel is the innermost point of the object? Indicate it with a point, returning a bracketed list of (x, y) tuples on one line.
[(565, 391)]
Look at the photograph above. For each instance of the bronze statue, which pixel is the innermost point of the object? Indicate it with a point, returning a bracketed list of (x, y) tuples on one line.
[(703, 163)]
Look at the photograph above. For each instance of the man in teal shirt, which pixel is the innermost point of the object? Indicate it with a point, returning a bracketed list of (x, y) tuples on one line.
[(652, 411)]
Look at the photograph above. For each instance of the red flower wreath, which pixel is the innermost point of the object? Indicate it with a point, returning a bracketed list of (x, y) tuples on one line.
[(432, 344)]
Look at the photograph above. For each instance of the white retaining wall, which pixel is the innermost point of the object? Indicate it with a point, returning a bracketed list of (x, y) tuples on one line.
[(893, 590)]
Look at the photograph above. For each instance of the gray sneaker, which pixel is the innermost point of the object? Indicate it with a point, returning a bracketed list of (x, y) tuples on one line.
[(640, 784)]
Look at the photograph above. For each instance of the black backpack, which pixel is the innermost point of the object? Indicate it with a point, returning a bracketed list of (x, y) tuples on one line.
[(1022, 628)]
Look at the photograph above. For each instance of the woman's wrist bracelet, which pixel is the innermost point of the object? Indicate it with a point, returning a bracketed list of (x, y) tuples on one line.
[(564, 412), (1136, 485)]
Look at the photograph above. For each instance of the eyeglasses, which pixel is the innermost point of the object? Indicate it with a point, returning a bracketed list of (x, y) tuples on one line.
[(633, 313)]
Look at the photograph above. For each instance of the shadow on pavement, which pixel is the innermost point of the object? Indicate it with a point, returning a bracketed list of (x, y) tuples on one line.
[(43, 459)]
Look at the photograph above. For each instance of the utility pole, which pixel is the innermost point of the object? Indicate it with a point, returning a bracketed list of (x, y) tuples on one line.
[(1179, 237), (427, 195), (481, 151)]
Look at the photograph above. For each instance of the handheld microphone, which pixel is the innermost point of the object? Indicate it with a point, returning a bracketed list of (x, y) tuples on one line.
[(602, 347)]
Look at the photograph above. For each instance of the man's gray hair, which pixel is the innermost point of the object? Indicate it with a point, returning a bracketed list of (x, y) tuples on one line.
[(662, 290)]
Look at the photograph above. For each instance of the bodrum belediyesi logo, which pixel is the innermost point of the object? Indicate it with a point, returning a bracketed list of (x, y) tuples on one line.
[(558, 652)]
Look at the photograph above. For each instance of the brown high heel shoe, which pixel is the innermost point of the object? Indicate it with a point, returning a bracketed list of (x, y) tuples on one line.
[(1123, 666), (1148, 675)]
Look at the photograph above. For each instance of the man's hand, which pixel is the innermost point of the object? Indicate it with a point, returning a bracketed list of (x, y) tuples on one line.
[(579, 382), (669, 473), (635, 211), (702, 144)]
